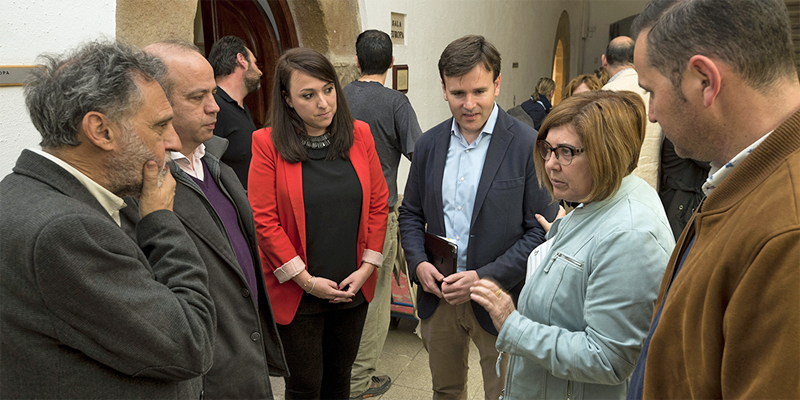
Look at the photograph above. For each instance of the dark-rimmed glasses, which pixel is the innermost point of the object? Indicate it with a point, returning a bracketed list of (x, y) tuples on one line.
[(563, 152)]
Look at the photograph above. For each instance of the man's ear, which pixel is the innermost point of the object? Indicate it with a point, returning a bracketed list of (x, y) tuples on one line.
[(605, 63), (703, 74), (241, 61), (392, 64), (444, 90), (99, 130), (497, 85)]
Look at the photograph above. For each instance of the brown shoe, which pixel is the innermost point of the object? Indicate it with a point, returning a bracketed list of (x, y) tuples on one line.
[(378, 386)]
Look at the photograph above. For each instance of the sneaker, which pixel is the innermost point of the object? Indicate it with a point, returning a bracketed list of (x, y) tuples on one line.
[(378, 386)]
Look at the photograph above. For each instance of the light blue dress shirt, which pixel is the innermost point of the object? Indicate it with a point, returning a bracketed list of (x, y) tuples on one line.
[(462, 173)]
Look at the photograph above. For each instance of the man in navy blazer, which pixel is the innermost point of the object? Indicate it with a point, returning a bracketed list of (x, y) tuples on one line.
[(473, 181)]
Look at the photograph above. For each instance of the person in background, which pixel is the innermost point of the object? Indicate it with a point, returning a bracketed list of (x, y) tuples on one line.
[(538, 106), (394, 127), (213, 206), (581, 84), (237, 75), (618, 60), (86, 311), (724, 87), (681, 186), (472, 180), (320, 204), (586, 305)]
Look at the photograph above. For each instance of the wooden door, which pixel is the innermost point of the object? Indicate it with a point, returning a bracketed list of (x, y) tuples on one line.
[(248, 20)]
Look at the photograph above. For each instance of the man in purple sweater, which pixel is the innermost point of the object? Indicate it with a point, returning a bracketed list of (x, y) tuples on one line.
[(212, 205)]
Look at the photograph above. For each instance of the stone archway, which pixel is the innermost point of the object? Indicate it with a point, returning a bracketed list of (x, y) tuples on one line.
[(328, 26), (561, 52), (141, 22)]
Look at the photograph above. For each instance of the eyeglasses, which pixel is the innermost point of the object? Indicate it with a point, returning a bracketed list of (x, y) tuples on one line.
[(563, 152)]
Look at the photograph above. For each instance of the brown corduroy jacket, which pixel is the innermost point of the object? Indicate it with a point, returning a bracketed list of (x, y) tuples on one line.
[(730, 327)]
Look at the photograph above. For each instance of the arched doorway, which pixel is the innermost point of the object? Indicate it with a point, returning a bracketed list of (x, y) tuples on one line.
[(558, 68), (561, 57), (266, 26)]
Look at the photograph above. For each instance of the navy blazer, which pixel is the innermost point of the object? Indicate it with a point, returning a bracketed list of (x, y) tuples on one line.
[(503, 229)]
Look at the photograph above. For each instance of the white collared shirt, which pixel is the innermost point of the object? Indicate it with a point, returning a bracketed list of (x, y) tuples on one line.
[(462, 174), (617, 75), (193, 167), (718, 172), (110, 202)]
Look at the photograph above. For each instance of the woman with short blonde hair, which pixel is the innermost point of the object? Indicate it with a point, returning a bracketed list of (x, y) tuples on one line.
[(588, 299)]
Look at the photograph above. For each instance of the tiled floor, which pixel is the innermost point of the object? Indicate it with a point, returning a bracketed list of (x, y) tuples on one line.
[(406, 362)]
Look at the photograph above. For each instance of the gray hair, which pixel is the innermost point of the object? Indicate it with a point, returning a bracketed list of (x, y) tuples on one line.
[(98, 76), (753, 37)]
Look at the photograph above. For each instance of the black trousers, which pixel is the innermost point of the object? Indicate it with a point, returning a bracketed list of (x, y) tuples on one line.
[(320, 351)]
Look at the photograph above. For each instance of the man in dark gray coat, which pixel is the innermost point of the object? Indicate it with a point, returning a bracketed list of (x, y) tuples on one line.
[(85, 311), (212, 204)]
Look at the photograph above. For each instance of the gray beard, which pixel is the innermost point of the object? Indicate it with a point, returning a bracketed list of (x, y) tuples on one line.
[(124, 170)]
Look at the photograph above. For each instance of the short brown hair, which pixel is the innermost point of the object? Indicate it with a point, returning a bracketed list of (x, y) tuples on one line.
[(591, 81), (611, 126), (463, 54), (752, 37)]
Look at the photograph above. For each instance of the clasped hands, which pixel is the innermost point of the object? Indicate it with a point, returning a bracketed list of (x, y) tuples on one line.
[(325, 288), (463, 286)]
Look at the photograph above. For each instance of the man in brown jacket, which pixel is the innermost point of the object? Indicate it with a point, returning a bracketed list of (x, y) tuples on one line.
[(725, 89)]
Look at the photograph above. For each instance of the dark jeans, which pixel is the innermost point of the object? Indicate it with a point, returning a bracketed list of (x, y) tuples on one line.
[(320, 351)]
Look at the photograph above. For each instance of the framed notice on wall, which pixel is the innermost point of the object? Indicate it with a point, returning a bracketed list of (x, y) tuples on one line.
[(14, 75), (400, 78)]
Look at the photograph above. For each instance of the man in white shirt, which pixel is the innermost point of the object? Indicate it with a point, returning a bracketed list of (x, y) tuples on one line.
[(618, 61)]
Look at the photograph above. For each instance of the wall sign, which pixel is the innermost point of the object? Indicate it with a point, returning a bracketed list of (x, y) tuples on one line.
[(400, 78), (14, 75), (398, 29)]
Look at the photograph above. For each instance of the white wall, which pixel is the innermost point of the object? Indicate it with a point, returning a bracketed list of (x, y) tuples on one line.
[(603, 13), (31, 27), (523, 31)]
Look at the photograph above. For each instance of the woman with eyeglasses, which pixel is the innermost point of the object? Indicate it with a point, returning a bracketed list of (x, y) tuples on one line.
[(588, 298)]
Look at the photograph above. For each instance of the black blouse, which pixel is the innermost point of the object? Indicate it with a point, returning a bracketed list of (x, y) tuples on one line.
[(332, 196)]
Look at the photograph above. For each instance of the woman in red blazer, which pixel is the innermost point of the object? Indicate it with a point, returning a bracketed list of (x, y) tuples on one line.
[(320, 204)]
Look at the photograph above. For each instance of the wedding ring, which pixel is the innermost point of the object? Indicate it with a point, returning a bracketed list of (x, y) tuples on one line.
[(497, 293)]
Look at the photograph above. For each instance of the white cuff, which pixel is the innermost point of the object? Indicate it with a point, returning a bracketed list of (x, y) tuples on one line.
[(372, 257), (289, 270)]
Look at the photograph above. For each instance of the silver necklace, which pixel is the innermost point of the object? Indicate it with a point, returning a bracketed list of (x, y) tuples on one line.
[(315, 142)]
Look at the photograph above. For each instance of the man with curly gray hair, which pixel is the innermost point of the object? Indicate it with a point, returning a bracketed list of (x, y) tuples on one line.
[(86, 312)]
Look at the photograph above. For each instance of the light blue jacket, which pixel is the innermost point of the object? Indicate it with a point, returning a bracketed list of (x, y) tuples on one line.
[(584, 312)]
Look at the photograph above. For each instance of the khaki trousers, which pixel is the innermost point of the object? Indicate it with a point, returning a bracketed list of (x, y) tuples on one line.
[(376, 326), (446, 336)]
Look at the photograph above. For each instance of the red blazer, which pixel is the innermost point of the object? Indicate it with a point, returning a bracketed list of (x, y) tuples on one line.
[(275, 190)]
